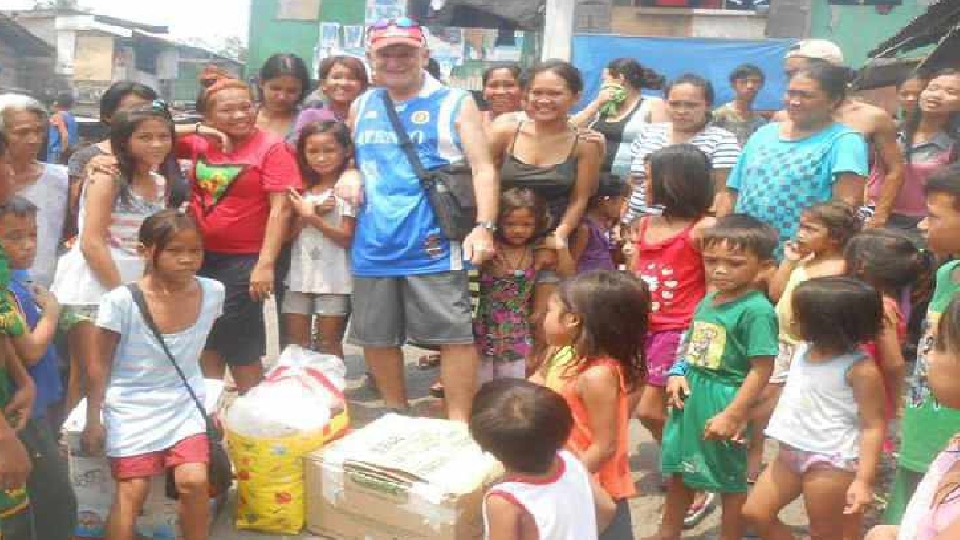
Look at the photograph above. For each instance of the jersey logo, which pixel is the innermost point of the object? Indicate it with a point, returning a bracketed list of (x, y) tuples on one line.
[(370, 115), (420, 117), (214, 181)]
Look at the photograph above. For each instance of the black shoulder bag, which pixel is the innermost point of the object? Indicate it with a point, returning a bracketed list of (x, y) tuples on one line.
[(448, 188), (219, 473)]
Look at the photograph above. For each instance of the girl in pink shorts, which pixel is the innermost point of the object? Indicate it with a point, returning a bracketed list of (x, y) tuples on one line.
[(666, 256), (829, 420)]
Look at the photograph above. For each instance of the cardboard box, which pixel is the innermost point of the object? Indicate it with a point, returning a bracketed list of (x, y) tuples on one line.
[(94, 485), (399, 478)]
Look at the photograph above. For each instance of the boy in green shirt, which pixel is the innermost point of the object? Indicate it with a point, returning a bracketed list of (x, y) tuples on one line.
[(927, 426), (723, 364)]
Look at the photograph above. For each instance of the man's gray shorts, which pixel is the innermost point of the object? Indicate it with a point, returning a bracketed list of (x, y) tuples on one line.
[(431, 309)]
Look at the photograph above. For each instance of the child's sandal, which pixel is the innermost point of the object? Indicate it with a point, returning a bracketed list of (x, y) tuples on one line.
[(698, 512)]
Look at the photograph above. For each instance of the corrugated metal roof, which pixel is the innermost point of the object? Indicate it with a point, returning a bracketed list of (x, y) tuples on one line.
[(22, 40), (885, 72), (938, 23)]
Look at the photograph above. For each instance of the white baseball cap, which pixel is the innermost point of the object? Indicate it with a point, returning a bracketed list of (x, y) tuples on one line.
[(817, 49)]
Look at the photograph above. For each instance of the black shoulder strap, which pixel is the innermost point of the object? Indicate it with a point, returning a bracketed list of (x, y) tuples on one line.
[(141, 303), (405, 143), (516, 135)]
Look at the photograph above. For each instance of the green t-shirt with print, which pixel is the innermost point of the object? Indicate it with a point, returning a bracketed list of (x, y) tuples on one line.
[(12, 500), (927, 425), (724, 337), (11, 324)]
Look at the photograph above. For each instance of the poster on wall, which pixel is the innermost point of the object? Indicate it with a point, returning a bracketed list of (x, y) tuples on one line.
[(353, 37), (446, 46), (480, 42), (509, 53), (328, 44), (329, 35), (378, 10), (333, 42)]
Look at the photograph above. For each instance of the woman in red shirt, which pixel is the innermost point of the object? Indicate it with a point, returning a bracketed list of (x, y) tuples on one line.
[(239, 176)]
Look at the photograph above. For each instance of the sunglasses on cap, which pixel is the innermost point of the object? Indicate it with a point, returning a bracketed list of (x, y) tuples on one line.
[(399, 22)]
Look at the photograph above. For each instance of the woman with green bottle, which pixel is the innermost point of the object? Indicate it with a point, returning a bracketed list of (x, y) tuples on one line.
[(620, 111)]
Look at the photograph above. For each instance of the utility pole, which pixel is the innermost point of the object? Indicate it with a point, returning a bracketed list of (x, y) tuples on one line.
[(558, 29)]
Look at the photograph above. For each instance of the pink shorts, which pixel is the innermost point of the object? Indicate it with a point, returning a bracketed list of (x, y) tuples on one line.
[(193, 449), (660, 351), (801, 461)]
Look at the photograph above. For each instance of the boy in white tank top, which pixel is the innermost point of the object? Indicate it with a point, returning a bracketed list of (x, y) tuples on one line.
[(546, 493)]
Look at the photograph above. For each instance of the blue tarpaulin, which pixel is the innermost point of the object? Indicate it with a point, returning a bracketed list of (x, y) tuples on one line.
[(712, 59)]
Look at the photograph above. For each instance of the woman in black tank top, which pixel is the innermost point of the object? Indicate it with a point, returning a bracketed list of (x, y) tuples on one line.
[(542, 152)]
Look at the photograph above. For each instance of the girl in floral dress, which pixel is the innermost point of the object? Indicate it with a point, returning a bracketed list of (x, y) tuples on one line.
[(509, 283)]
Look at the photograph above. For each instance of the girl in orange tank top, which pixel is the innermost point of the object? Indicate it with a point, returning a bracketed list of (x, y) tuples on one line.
[(596, 324)]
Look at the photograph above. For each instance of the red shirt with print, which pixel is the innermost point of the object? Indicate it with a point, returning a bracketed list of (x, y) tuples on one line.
[(231, 191)]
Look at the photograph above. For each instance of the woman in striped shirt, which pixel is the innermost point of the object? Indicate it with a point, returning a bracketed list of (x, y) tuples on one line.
[(689, 101)]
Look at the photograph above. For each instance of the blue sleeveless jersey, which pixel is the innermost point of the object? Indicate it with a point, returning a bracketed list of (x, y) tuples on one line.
[(397, 232)]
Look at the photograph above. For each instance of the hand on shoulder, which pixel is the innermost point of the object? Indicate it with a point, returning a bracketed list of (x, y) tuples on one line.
[(104, 164), (101, 180), (592, 137)]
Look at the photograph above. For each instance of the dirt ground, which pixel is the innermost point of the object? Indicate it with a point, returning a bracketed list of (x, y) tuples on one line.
[(646, 507)]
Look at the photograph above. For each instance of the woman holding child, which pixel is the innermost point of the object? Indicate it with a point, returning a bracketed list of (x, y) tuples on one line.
[(544, 153)]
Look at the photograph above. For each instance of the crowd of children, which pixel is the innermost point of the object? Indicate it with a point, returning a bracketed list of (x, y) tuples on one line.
[(680, 319)]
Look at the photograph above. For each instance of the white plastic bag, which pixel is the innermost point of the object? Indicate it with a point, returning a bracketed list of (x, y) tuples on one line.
[(297, 408), (297, 395)]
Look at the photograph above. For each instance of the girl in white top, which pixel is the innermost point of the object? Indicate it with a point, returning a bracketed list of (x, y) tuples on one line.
[(150, 422), (547, 493), (112, 208), (319, 283), (829, 420)]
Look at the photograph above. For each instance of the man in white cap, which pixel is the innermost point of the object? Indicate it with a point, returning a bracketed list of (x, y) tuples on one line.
[(410, 280), (874, 123), (811, 49)]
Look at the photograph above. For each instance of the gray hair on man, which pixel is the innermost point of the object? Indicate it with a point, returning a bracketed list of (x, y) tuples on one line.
[(21, 102)]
